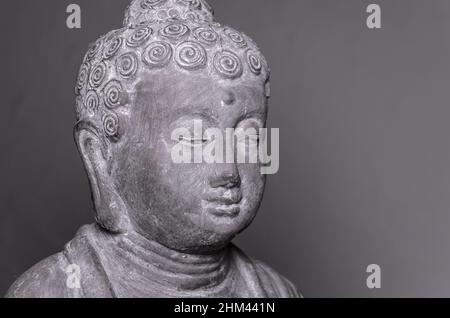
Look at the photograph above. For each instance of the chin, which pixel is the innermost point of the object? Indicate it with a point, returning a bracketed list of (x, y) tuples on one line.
[(219, 227)]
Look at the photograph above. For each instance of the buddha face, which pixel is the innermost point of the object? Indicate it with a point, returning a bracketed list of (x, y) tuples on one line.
[(190, 207)]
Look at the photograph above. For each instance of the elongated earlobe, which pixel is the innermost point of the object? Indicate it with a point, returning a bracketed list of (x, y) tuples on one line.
[(111, 212)]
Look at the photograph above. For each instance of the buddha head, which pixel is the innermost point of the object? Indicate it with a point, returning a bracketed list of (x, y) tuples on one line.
[(170, 65)]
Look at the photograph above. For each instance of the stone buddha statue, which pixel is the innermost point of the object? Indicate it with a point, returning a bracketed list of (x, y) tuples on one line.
[(163, 229)]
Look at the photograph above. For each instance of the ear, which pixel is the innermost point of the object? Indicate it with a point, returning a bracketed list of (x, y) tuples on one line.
[(111, 212)]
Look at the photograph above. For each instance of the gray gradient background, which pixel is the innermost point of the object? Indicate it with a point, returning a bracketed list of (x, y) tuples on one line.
[(365, 151)]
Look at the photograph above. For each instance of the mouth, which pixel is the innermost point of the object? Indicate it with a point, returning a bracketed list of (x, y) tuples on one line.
[(224, 210), (227, 205)]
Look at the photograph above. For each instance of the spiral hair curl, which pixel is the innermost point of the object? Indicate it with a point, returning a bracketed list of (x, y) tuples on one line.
[(155, 34)]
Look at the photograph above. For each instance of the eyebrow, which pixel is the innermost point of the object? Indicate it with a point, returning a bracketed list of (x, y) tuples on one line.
[(258, 113), (209, 115), (204, 113)]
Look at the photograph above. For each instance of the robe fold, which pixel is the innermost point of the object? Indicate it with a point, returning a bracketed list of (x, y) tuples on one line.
[(128, 266)]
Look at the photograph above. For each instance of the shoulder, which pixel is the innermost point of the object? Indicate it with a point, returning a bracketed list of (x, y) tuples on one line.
[(283, 287), (274, 284), (76, 272), (47, 279), (51, 277)]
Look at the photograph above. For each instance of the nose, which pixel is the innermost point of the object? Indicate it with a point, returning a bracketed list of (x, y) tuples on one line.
[(226, 178)]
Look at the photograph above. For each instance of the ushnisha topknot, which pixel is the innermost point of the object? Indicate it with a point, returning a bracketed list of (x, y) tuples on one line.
[(150, 11), (157, 36)]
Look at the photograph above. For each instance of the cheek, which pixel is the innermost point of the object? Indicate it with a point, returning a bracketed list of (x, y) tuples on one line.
[(185, 181), (188, 180), (253, 183), (158, 179)]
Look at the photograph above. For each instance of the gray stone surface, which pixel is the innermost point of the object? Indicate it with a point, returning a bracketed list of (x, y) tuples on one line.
[(161, 228)]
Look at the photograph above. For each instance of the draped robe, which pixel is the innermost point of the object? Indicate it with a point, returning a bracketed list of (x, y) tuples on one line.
[(128, 265)]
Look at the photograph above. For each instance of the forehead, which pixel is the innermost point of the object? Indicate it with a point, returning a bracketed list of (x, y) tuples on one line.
[(177, 92)]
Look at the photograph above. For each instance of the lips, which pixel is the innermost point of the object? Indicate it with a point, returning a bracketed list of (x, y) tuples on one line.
[(228, 204), (227, 197), (225, 210)]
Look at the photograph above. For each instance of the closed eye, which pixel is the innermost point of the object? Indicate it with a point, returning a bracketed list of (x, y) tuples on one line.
[(192, 141)]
